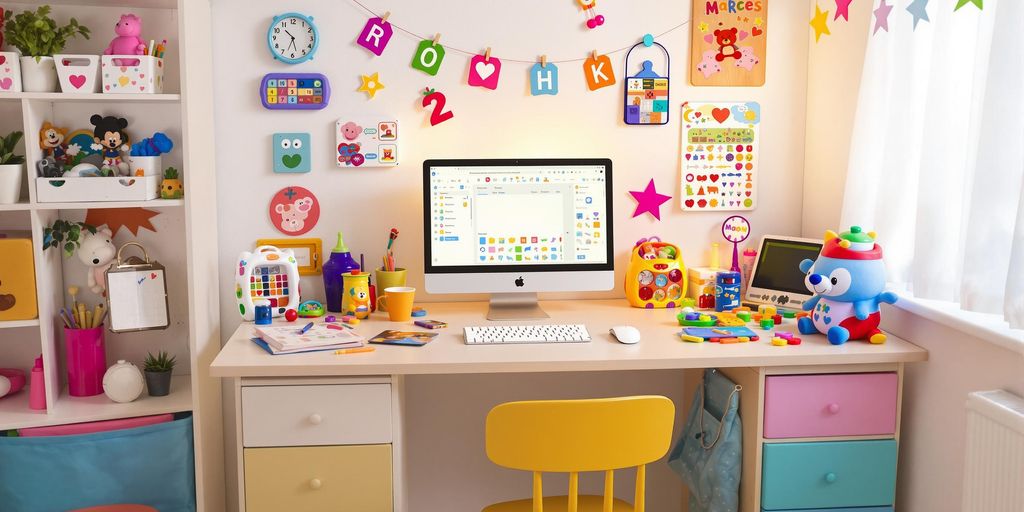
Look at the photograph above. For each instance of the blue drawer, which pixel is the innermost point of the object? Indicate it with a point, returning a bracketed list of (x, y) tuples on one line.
[(832, 474)]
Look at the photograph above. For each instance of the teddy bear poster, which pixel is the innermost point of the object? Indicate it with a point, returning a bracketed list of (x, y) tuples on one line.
[(728, 42)]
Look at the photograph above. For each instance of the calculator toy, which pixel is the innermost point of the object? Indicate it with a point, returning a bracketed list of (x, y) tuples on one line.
[(295, 91), (656, 276), (267, 273)]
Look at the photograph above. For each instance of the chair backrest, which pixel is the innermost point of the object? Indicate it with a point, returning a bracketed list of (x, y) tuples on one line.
[(580, 435), (571, 436)]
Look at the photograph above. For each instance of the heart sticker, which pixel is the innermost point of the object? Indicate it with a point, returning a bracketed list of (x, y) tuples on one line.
[(756, 31), (123, 80), (77, 80), (720, 114), (689, 203), (6, 83), (152, 275), (3, 58)]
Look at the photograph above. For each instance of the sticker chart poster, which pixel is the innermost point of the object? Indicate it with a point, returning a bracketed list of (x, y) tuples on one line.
[(728, 41), (366, 141), (719, 156)]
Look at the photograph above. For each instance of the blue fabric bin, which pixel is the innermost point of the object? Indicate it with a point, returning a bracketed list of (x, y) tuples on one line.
[(151, 465)]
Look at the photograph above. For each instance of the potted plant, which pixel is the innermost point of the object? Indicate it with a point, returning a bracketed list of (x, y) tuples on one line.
[(12, 168), (38, 37), (65, 234), (158, 373), (170, 187)]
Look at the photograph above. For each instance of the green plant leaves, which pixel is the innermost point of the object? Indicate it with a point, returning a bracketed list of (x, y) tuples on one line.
[(37, 35)]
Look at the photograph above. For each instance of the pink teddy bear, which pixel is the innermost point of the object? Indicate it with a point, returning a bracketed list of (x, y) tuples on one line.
[(127, 41)]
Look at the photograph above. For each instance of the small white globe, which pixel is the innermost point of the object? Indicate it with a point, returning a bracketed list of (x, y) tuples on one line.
[(5, 385), (123, 382)]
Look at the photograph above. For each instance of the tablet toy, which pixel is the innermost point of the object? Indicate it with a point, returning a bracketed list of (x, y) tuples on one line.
[(267, 273), (295, 91)]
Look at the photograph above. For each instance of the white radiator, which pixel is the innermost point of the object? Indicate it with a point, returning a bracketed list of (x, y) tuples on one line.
[(994, 455)]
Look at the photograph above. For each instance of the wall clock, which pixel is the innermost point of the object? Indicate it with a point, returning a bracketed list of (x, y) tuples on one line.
[(293, 38)]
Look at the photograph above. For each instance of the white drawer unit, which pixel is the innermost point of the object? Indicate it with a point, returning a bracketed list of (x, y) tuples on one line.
[(312, 415)]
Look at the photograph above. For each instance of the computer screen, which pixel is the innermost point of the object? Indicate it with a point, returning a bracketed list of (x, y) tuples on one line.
[(778, 264), (517, 215)]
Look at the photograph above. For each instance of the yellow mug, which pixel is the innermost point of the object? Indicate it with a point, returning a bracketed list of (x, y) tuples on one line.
[(386, 279), (397, 301)]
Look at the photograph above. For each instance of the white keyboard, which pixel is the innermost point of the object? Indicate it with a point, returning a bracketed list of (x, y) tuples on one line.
[(513, 334)]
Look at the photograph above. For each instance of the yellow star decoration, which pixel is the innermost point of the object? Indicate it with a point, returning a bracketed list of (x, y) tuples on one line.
[(758, 21), (819, 23), (703, 27), (371, 84)]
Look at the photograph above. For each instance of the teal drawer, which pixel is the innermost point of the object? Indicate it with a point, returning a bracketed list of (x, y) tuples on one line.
[(855, 509), (828, 475)]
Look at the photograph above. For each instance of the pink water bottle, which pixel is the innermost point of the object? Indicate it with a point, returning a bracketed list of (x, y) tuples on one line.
[(37, 387)]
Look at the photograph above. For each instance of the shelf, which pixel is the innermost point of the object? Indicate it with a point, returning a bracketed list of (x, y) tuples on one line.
[(59, 97), (11, 324), (153, 203), (14, 411)]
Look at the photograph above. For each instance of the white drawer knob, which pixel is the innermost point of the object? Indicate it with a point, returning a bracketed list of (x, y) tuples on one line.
[(315, 419), (830, 477), (315, 484), (833, 408)]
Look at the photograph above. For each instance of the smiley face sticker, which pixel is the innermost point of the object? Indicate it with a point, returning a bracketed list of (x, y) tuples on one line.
[(291, 152)]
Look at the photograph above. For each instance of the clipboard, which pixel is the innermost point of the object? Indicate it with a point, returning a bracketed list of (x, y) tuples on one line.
[(136, 293)]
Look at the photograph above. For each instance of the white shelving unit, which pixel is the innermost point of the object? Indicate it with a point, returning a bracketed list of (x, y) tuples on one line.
[(188, 231)]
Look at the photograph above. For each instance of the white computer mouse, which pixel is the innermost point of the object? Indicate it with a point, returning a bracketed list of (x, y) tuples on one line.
[(625, 334)]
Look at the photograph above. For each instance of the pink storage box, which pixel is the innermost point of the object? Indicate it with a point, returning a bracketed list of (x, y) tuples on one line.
[(95, 426)]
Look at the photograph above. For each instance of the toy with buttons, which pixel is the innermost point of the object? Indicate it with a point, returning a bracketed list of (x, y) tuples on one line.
[(656, 276)]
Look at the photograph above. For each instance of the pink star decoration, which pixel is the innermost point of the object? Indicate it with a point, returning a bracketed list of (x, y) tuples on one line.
[(843, 9), (649, 201), (882, 16)]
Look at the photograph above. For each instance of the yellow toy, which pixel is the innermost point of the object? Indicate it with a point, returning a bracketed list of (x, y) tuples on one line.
[(17, 280), (656, 276)]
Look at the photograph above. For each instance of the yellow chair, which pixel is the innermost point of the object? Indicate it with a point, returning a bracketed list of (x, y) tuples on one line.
[(573, 436)]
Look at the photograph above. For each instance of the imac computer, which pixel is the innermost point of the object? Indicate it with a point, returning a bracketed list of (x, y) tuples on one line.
[(513, 228), (776, 276)]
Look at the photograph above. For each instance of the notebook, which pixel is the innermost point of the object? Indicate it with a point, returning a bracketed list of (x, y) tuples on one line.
[(410, 338), (287, 339)]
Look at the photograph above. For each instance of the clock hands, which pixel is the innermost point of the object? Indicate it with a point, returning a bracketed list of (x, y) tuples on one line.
[(292, 43)]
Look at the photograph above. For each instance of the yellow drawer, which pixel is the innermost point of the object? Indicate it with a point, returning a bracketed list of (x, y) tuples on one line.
[(318, 478)]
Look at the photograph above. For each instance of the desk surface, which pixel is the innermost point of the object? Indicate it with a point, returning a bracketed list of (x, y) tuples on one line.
[(659, 347)]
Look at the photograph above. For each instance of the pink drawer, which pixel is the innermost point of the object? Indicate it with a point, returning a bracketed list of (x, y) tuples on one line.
[(844, 404)]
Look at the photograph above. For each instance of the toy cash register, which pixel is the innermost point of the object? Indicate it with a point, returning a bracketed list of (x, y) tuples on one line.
[(267, 273), (656, 276)]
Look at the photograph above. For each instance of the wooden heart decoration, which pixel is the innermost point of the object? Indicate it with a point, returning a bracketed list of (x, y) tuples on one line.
[(756, 31)]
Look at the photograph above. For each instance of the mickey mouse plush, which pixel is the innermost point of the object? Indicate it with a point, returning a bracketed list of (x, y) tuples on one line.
[(111, 140)]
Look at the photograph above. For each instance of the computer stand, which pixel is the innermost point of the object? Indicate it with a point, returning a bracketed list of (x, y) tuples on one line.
[(515, 306)]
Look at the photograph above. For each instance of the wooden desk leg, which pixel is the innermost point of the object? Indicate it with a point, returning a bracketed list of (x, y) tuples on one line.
[(751, 410), (398, 454)]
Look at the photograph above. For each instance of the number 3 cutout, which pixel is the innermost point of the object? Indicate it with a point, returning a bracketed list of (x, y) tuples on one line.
[(437, 115)]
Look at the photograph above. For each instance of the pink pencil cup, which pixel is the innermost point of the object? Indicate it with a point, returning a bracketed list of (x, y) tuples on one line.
[(86, 360)]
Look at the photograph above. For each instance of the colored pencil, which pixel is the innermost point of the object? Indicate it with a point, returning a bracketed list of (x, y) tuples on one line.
[(354, 350)]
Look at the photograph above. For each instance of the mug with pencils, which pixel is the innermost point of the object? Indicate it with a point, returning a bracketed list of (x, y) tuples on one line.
[(85, 352), (389, 279)]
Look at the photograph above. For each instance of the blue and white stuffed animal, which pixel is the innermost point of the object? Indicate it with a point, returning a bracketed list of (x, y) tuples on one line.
[(848, 282)]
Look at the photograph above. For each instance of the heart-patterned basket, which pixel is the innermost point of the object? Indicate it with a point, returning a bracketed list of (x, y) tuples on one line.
[(10, 72), (132, 74), (78, 74)]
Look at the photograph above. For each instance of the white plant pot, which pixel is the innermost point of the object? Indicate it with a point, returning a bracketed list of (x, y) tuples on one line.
[(10, 182), (144, 166), (38, 76)]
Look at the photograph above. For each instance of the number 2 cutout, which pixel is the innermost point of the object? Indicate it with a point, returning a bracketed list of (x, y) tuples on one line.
[(438, 115)]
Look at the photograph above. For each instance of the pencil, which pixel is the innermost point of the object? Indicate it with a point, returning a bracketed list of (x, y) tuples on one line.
[(88, 319), (81, 316), (354, 350), (101, 313)]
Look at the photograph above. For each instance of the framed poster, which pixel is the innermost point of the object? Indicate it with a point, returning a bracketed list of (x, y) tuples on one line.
[(719, 155), (728, 42)]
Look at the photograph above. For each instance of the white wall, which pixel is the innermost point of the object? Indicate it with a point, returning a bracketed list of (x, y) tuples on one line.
[(934, 419)]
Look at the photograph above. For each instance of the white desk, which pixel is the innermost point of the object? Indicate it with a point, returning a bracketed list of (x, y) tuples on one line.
[(746, 363)]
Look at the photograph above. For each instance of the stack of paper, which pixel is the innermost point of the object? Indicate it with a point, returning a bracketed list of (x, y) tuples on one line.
[(281, 339)]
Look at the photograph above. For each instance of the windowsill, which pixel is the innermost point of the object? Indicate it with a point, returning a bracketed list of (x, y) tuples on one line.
[(985, 326)]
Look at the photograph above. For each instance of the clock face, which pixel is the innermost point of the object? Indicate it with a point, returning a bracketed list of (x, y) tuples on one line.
[(736, 229), (292, 38)]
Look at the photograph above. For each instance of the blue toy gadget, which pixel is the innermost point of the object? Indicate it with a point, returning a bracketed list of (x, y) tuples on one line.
[(295, 91), (646, 98)]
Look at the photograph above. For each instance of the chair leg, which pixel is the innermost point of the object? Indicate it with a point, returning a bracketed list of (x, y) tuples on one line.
[(609, 490), (538, 492), (574, 488), (638, 500)]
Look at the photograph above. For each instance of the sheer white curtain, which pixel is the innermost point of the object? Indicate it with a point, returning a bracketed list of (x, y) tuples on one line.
[(937, 154)]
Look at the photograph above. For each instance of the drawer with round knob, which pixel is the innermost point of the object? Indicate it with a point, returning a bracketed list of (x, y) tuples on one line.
[(316, 415), (321, 478), (843, 404), (828, 474)]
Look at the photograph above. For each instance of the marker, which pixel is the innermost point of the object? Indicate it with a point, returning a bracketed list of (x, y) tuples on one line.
[(306, 328), (354, 350), (694, 339)]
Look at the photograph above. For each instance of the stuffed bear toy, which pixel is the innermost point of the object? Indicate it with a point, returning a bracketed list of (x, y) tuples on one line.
[(848, 283), (97, 251)]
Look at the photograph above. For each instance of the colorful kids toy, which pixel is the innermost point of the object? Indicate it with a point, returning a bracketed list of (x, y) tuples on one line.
[(310, 309), (97, 252), (127, 41), (848, 282), (355, 296), (110, 139), (656, 276), (594, 19), (53, 142), (267, 273)]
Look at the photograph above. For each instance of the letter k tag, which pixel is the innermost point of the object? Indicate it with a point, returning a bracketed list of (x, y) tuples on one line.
[(597, 69)]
